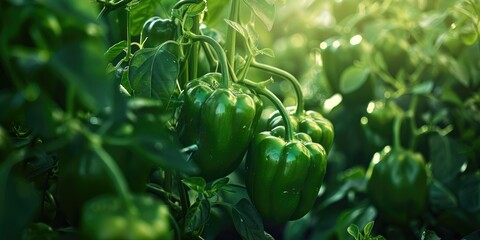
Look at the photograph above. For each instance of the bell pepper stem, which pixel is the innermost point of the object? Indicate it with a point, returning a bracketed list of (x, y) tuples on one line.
[(411, 115), (193, 60), (261, 89), (287, 76), (220, 53), (396, 132)]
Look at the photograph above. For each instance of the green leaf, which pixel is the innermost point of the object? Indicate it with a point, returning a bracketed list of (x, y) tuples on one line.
[(237, 27), (115, 50), (265, 10), (217, 10), (367, 230), (458, 71), (353, 78), (219, 184), (430, 235), (139, 14), (196, 9), (360, 215), (153, 72), (423, 88), (446, 157), (197, 184), (247, 221), (469, 193), (354, 231), (197, 215), (298, 229), (440, 197), (267, 52), (81, 65)]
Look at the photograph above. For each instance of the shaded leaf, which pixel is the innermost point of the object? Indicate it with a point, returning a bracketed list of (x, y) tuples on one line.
[(153, 72), (197, 184), (440, 197), (139, 14), (446, 157), (115, 50), (354, 231), (423, 88), (197, 8), (430, 235), (298, 229), (247, 221), (469, 193), (219, 183), (353, 78), (197, 215), (265, 10)]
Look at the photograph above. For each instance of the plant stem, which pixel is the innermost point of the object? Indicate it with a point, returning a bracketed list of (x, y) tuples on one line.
[(115, 174), (261, 89), (210, 58), (396, 131), (411, 115), (231, 33), (193, 59), (129, 39), (220, 53), (287, 76), (184, 200)]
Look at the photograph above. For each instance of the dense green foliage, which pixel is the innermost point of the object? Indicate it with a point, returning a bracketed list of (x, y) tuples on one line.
[(149, 119)]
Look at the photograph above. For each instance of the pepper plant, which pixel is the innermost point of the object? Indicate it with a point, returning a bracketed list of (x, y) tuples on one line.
[(149, 145)]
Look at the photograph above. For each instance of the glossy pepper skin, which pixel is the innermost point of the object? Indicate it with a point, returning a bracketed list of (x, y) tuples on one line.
[(220, 121), (156, 31), (283, 178), (312, 123), (398, 185)]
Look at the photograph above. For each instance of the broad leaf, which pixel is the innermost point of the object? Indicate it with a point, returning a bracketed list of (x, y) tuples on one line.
[(247, 221), (354, 231), (153, 72), (115, 50), (196, 9), (353, 78), (446, 157), (219, 184), (197, 215), (469, 193), (197, 184), (265, 10), (139, 14), (440, 197)]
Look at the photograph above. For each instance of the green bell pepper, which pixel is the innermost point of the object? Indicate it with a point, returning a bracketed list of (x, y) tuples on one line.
[(220, 121), (156, 31), (283, 177), (398, 185), (310, 122)]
